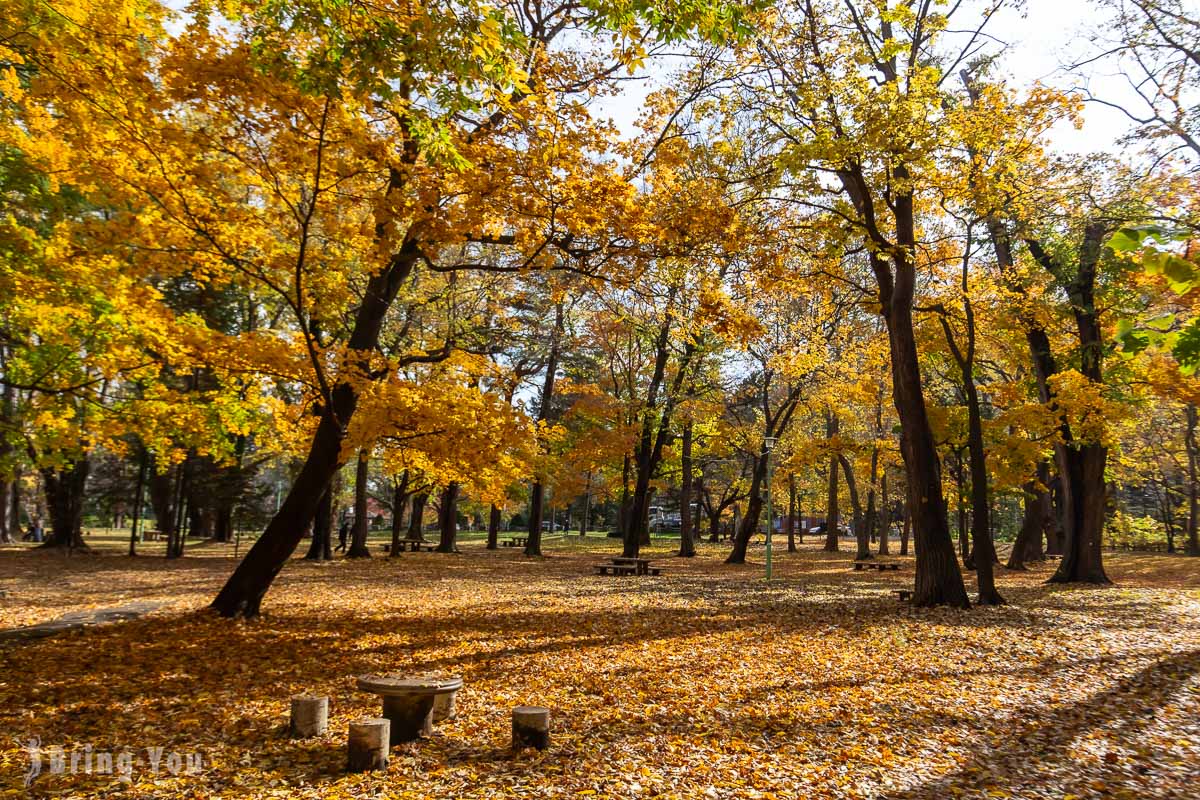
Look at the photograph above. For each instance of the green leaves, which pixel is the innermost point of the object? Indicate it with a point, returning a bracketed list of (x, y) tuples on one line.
[(1142, 246)]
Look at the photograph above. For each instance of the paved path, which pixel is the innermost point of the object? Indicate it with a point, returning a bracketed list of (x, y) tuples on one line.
[(80, 619)]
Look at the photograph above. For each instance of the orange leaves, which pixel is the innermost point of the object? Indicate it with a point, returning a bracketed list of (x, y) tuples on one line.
[(706, 684)]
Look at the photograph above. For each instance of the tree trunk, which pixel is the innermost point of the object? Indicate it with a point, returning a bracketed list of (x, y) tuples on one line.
[(791, 520), (1031, 529), (242, 594), (533, 545), (321, 546), (362, 525), (687, 544), (64, 500), (1082, 464), (832, 518), (754, 505), (905, 532), (885, 512), (493, 536), (1193, 452), (399, 506), (587, 507), (138, 502), (416, 519), (861, 536), (448, 521)]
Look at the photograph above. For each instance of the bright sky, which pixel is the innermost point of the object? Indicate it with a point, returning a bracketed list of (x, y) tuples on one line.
[(1048, 34)]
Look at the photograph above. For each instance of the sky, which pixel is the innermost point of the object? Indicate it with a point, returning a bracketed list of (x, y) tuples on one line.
[(1040, 40)]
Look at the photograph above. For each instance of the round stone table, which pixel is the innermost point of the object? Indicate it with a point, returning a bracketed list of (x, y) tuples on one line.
[(408, 700)]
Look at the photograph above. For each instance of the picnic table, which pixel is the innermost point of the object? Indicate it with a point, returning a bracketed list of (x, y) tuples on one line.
[(414, 545), (879, 565), (409, 701), (627, 566), (516, 541)]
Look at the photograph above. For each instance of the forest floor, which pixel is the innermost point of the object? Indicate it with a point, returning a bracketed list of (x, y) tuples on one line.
[(705, 682)]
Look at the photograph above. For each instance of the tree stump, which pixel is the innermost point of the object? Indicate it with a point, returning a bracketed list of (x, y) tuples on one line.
[(369, 744), (530, 727), (310, 715)]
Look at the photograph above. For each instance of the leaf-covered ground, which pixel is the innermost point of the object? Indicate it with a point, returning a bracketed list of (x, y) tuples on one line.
[(703, 683)]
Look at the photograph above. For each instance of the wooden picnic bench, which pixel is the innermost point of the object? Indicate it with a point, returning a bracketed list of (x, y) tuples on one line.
[(902, 594), (516, 541), (415, 545), (627, 566), (878, 565)]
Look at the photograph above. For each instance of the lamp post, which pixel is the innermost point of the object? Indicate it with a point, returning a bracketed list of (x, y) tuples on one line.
[(769, 446)]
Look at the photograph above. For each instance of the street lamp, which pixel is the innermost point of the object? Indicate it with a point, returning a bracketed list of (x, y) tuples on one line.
[(769, 445)]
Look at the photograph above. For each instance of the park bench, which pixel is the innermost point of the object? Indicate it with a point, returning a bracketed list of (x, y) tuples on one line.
[(877, 565), (902, 594), (516, 541)]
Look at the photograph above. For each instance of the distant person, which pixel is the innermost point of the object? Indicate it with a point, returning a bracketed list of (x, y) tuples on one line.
[(343, 534)]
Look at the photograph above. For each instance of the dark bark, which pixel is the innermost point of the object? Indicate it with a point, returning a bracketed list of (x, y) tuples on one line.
[(138, 501), (791, 520), (533, 545), (1030, 535), (448, 520), (587, 507), (832, 516), (416, 519), (984, 553), (362, 525), (321, 546), (905, 532), (493, 533), (1081, 464), (861, 537), (885, 528), (400, 495), (687, 543), (1193, 453), (754, 507), (242, 594), (64, 490)]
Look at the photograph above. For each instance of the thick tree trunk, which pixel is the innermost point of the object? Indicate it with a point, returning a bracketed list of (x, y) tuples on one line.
[(587, 507), (791, 520), (885, 529), (399, 506), (493, 533), (687, 544), (321, 546), (1193, 452), (533, 544), (537, 502), (832, 516), (64, 500), (1082, 464), (861, 537), (242, 594), (754, 505), (6, 534), (416, 519), (448, 522), (362, 525), (1031, 529)]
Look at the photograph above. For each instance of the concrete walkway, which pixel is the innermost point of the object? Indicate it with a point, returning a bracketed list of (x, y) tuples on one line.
[(80, 619)]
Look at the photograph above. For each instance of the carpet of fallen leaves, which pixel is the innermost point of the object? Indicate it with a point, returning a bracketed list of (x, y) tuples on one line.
[(705, 682)]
